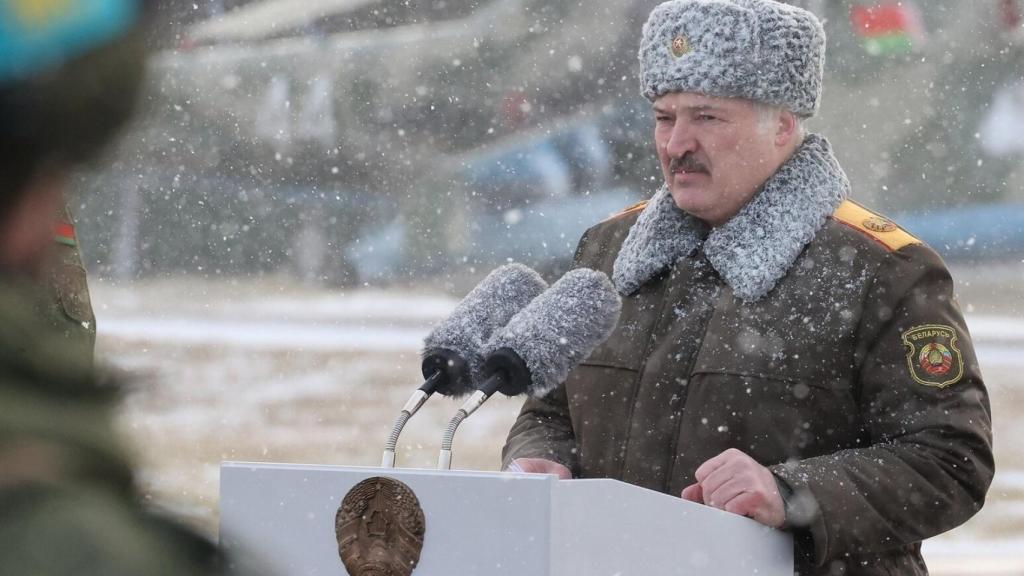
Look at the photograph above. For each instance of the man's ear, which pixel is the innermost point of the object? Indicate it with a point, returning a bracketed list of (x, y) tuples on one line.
[(786, 129)]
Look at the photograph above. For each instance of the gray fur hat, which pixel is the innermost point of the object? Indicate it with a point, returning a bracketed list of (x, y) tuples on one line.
[(760, 50)]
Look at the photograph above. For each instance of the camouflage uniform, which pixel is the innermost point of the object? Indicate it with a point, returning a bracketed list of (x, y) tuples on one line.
[(67, 501)]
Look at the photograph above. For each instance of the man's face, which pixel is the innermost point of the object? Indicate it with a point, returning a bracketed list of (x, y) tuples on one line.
[(715, 153)]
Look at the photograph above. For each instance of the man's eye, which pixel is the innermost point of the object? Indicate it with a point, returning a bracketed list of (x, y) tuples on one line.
[(705, 117), (663, 118)]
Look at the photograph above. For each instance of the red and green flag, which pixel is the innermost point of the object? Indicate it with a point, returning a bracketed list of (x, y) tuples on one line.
[(888, 28), (64, 233)]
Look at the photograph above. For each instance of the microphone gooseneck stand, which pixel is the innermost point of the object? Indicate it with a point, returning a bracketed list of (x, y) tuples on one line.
[(446, 373), (415, 402), (506, 372), (476, 400)]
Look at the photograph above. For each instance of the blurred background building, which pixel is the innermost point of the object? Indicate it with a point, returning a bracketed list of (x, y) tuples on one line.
[(352, 141)]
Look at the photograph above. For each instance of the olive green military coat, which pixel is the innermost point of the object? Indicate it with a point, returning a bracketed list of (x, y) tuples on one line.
[(807, 332)]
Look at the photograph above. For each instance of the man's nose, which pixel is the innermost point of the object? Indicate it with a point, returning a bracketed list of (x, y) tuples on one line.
[(681, 140)]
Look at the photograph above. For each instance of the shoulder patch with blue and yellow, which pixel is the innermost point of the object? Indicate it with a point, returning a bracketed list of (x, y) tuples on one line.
[(877, 227), (638, 207)]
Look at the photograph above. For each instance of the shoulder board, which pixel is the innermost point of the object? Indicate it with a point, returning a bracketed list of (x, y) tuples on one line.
[(639, 206), (879, 228)]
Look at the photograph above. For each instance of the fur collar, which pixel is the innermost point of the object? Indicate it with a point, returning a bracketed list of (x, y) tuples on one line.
[(756, 248)]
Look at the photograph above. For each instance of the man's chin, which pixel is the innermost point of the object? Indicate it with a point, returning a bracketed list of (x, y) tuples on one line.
[(700, 204), (689, 200)]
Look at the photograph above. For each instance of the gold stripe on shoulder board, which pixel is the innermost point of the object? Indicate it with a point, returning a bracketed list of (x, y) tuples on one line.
[(879, 228), (629, 210)]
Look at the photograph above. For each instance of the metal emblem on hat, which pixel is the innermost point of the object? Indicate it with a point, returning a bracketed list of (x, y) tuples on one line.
[(380, 528), (680, 46), (876, 224)]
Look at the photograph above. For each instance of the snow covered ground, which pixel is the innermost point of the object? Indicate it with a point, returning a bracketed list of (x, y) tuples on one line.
[(272, 371)]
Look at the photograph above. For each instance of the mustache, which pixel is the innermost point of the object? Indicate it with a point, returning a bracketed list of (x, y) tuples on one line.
[(687, 163)]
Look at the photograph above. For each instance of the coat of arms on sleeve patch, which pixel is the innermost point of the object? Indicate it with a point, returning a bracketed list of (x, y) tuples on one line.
[(932, 355)]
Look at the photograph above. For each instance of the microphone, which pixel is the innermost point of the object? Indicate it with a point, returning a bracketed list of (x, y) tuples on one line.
[(451, 352), (534, 353)]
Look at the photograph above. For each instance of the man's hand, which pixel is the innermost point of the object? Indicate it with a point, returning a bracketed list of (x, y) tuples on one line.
[(735, 482), (540, 466)]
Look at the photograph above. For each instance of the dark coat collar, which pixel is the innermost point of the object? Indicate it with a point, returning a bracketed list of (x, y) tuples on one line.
[(754, 249)]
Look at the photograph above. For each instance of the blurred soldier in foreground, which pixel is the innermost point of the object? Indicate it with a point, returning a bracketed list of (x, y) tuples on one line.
[(69, 77), (783, 353)]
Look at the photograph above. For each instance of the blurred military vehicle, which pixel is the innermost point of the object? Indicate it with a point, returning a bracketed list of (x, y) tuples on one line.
[(358, 140)]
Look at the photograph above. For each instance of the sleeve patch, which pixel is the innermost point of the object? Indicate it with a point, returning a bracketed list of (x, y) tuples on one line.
[(932, 355)]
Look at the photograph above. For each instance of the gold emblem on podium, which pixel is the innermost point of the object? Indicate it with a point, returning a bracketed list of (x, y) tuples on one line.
[(380, 528)]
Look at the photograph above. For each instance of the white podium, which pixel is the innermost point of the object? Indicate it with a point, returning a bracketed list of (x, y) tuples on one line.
[(491, 523)]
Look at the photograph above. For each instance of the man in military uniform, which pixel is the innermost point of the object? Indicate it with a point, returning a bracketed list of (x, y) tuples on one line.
[(783, 353), (69, 77)]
